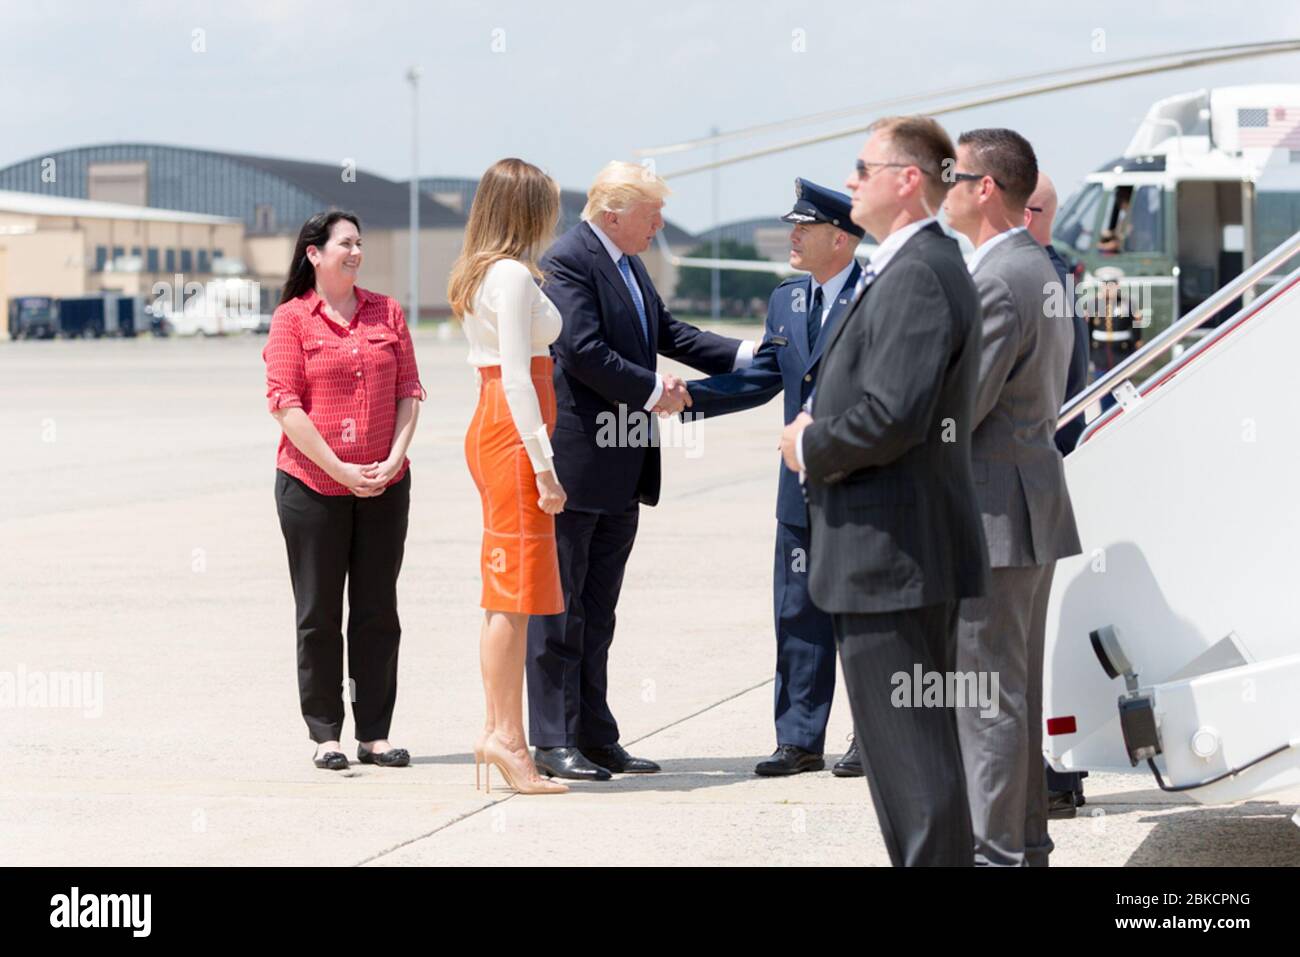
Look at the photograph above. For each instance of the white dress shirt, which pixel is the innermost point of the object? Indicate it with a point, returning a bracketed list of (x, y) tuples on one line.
[(511, 322), (887, 248), (879, 260), (988, 245), (744, 354), (831, 289)]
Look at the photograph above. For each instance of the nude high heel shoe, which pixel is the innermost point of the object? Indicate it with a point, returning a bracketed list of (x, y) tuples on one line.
[(514, 770), (478, 758)]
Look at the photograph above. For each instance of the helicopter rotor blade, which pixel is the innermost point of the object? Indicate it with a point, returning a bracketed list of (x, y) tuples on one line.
[(929, 95), (1183, 63)]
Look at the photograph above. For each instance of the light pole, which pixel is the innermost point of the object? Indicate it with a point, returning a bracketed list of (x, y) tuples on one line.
[(715, 284), (413, 309)]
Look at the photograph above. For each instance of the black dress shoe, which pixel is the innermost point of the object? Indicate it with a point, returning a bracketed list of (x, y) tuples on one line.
[(568, 763), (1062, 804), (332, 761), (789, 759), (849, 766), (613, 757), (392, 758)]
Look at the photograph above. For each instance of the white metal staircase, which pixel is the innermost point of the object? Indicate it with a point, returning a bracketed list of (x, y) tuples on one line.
[(1187, 498)]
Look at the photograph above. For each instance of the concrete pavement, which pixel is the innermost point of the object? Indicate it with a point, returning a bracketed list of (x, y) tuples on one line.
[(141, 552)]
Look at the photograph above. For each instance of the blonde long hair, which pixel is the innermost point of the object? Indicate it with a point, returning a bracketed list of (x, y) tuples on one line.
[(516, 207)]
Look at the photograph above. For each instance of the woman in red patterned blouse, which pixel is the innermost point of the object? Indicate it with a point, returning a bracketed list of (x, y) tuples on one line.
[(342, 382)]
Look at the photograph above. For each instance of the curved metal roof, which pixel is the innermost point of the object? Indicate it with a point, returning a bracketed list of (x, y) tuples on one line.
[(34, 204), (233, 184)]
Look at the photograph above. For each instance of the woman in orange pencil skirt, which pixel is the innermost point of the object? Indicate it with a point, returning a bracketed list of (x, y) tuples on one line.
[(510, 324), (521, 573)]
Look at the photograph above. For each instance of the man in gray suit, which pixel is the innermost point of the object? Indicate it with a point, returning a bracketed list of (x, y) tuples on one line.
[(895, 532), (1020, 484)]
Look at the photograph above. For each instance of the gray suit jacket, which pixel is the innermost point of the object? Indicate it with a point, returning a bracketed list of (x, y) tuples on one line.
[(1019, 477), (892, 511)]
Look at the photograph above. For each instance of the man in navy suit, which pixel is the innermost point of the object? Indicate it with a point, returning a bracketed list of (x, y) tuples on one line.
[(801, 314), (1040, 210), (606, 445), (1064, 789)]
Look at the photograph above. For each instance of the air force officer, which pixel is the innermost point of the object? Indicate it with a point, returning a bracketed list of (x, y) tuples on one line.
[(801, 316)]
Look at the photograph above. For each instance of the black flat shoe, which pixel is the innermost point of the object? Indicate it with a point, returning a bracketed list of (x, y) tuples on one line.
[(392, 758), (789, 759), (568, 763), (849, 766), (332, 761), (615, 759)]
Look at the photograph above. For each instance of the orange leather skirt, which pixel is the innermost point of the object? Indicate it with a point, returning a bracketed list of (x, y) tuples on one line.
[(520, 566)]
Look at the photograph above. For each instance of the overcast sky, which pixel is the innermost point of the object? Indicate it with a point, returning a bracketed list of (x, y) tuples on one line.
[(571, 85)]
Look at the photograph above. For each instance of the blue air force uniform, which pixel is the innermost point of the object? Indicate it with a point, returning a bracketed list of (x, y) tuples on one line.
[(801, 314)]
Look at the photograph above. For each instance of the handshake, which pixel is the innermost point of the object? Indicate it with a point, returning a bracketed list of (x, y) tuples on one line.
[(674, 397)]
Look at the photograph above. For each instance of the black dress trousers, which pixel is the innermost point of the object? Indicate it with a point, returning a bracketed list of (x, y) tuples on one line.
[(911, 755), (568, 653), (333, 539)]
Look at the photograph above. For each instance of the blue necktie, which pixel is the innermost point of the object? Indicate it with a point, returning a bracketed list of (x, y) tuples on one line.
[(815, 320), (625, 270)]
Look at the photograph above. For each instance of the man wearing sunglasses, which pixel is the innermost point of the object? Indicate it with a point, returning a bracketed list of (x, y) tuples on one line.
[(1064, 790), (895, 536), (1020, 484), (1040, 211)]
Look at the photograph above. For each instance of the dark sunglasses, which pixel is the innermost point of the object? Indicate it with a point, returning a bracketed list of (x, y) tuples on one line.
[(863, 168), (975, 178)]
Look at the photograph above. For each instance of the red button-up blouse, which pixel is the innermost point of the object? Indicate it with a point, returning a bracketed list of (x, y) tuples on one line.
[(348, 381)]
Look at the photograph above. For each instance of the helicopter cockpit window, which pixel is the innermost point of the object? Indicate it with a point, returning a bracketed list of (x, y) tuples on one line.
[(1079, 220), (1146, 225), (1118, 221)]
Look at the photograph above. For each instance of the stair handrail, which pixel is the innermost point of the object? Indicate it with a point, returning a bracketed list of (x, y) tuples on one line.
[(1157, 347)]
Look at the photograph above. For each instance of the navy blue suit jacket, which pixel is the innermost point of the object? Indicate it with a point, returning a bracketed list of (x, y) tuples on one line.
[(790, 368), (604, 373), (1077, 379)]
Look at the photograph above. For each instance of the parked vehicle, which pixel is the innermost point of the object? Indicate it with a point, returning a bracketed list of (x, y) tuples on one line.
[(33, 317), (103, 314)]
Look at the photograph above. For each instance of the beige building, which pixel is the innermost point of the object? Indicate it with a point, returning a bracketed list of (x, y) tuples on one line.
[(59, 247), (206, 214), (124, 216)]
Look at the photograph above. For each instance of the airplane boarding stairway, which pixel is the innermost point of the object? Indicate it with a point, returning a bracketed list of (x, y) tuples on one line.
[(1173, 640)]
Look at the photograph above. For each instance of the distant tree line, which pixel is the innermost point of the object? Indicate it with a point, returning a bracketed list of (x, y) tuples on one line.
[(743, 293)]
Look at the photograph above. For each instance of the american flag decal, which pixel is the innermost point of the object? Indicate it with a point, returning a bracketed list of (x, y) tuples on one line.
[(1277, 127)]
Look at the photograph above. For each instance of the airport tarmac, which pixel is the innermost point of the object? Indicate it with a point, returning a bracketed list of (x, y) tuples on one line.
[(142, 562)]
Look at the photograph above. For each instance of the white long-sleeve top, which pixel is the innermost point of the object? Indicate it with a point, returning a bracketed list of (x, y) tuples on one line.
[(512, 321)]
